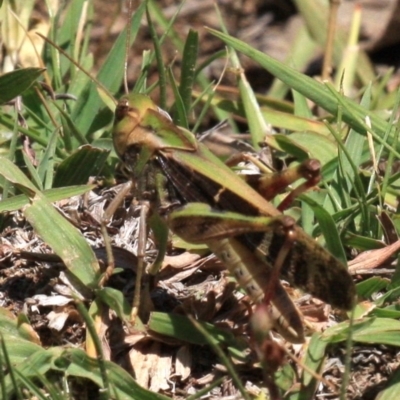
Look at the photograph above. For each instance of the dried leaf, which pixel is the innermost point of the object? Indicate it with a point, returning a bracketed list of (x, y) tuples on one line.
[(55, 300), (144, 359), (161, 373), (373, 258), (57, 320), (183, 362), (183, 260)]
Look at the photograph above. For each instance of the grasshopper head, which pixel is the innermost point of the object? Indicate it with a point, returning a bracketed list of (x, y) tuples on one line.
[(130, 132)]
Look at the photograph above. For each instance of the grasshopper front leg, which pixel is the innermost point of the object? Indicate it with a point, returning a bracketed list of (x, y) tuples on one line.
[(109, 212), (142, 239)]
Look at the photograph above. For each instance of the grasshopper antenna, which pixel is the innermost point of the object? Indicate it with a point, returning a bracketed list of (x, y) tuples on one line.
[(127, 45)]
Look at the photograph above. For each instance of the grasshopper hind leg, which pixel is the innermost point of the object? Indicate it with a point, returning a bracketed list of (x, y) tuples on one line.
[(275, 305), (270, 184)]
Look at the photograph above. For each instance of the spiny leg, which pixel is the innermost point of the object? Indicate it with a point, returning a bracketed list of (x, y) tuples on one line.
[(272, 316), (310, 170), (109, 212), (141, 253), (270, 354), (271, 184), (288, 225), (310, 268), (150, 190), (141, 248), (266, 317), (199, 223)]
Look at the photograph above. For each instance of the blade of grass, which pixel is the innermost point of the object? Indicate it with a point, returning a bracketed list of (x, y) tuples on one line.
[(181, 113), (11, 371), (313, 359), (111, 75), (35, 390), (65, 240), (301, 53), (87, 161), (33, 172), (353, 114), (224, 359), (14, 83), (11, 155), (105, 391), (159, 59), (17, 202), (257, 125), (13, 174), (329, 230), (188, 69), (166, 25)]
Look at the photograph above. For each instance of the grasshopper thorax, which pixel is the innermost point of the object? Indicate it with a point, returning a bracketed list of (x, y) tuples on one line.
[(131, 135), (126, 125)]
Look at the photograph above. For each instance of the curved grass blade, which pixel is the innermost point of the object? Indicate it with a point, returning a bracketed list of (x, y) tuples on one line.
[(12, 84), (17, 202), (85, 162), (188, 69), (65, 240), (353, 114)]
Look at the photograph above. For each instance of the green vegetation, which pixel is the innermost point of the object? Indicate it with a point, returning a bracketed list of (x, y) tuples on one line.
[(68, 129)]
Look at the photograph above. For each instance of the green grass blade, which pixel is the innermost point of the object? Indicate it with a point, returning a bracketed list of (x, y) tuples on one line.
[(91, 328), (12, 84), (180, 327), (34, 134), (222, 356), (301, 108), (180, 116), (68, 122), (35, 390), (159, 59), (188, 68), (17, 202), (13, 174), (116, 301), (392, 388), (328, 229), (110, 74), (46, 167), (353, 114), (66, 35), (11, 371), (314, 359), (301, 53), (65, 241), (85, 162), (257, 126), (33, 172)]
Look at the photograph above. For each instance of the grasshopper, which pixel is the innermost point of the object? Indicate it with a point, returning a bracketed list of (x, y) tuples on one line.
[(238, 224)]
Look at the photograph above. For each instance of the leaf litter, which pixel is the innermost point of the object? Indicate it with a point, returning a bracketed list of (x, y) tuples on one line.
[(32, 281)]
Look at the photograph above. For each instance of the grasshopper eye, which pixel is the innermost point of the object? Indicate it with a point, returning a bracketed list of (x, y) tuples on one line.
[(122, 110)]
